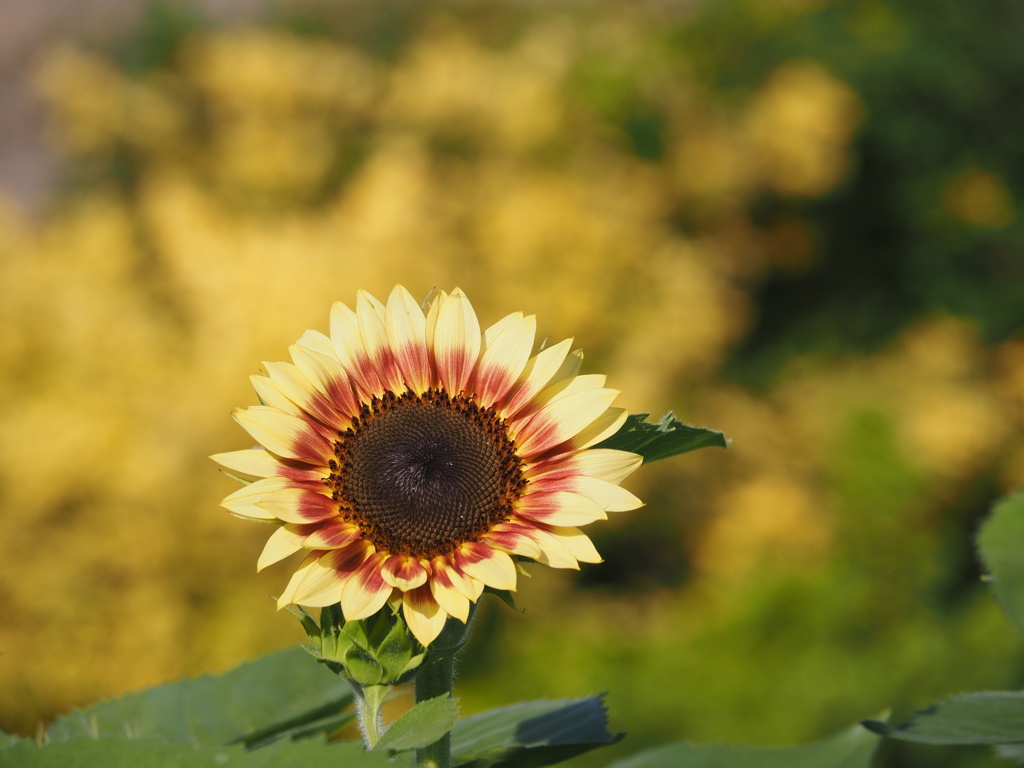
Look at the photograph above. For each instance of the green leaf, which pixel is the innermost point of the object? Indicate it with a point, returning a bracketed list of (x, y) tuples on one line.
[(86, 752), (985, 717), (667, 437), (850, 749), (1001, 544), (532, 733), (285, 693), (421, 726)]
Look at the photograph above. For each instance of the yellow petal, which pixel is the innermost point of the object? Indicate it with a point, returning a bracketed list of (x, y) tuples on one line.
[(554, 551), (407, 336), (456, 342), (506, 347), (403, 572), (578, 543), (271, 395), (487, 565), (282, 543), (301, 572), (560, 508), (244, 502), (561, 419), (251, 461), (365, 592), (284, 434), (611, 497), (603, 427), (424, 617), (317, 342), (607, 463), (453, 602), (350, 351), (535, 376), (299, 505)]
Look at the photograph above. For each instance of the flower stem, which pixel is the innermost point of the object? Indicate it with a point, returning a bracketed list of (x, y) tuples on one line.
[(369, 700), (437, 678)]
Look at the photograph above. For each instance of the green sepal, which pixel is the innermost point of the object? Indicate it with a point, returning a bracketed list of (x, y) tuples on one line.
[(361, 667), (505, 595), (308, 623), (399, 653), (378, 650)]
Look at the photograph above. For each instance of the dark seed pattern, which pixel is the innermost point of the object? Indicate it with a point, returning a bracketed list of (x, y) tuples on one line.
[(421, 474)]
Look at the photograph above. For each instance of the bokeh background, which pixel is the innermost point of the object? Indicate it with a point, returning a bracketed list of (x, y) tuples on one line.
[(795, 221)]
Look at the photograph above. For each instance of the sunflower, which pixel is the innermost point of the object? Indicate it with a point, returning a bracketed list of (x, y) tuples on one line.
[(412, 456)]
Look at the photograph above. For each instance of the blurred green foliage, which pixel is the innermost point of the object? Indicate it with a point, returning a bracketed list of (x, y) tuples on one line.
[(795, 222)]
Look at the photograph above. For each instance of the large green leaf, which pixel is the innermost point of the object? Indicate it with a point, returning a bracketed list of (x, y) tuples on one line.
[(986, 717), (110, 752), (850, 749), (532, 733), (283, 693), (422, 725), (1001, 543), (661, 439)]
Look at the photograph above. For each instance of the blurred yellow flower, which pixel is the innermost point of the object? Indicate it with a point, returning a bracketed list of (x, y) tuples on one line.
[(979, 198)]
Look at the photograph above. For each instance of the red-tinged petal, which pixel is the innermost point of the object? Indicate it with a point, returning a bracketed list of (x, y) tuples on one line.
[(285, 541), (578, 543), (324, 583), (444, 571), (535, 376), (328, 377), (284, 434), (554, 392), (603, 463), (365, 592), (370, 315), (334, 534), (349, 349), (290, 381), (514, 538), (486, 564), (451, 600), (456, 342), (506, 347), (299, 505), (407, 337), (560, 508), (561, 419), (259, 463), (245, 501), (404, 572), (611, 497), (569, 386), (424, 617)]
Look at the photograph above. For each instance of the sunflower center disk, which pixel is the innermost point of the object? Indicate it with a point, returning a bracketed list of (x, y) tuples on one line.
[(421, 474)]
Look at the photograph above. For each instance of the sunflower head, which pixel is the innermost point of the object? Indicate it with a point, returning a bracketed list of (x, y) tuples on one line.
[(412, 456)]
